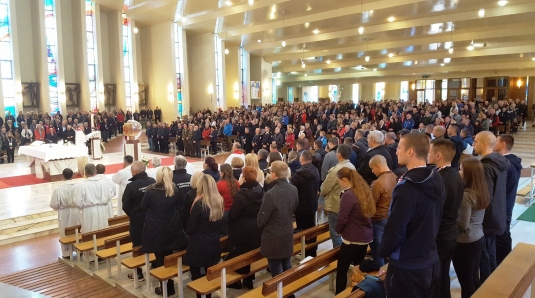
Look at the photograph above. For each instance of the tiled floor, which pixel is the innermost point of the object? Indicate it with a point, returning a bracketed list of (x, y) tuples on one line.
[(35, 252)]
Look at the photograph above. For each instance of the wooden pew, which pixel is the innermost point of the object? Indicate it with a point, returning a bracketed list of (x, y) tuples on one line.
[(114, 248), (137, 261), (72, 234), (173, 267), (299, 277), (513, 277), (218, 276), (93, 240)]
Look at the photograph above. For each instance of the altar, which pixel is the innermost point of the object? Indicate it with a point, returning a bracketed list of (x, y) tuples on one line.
[(47, 161)]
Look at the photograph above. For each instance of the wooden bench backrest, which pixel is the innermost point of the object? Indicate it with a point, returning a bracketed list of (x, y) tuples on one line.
[(72, 230), (118, 220), (298, 272), (170, 260), (514, 275), (205, 143), (106, 232), (254, 255), (113, 241)]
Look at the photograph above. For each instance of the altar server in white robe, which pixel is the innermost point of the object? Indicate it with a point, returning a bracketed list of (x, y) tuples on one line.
[(122, 178), (101, 170), (157, 164), (93, 197), (68, 212)]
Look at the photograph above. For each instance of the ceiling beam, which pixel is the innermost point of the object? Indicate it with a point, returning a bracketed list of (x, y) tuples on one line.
[(457, 36), (431, 18), (308, 17)]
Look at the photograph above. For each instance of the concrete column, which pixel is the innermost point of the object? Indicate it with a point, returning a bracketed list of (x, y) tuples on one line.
[(40, 48), (201, 76), (59, 59), (98, 48)]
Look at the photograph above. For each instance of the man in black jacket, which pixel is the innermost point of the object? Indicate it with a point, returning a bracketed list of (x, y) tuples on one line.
[(360, 146), (182, 180), (375, 141), (132, 196), (454, 136), (306, 179), (494, 222), (413, 223), (441, 154)]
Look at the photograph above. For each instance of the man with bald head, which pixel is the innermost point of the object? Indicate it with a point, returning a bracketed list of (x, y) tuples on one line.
[(132, 196), (494, 223), (439, 131), (382, 194)]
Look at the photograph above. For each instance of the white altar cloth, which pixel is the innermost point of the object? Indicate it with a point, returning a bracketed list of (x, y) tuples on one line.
[(50, 152), (52, 159)]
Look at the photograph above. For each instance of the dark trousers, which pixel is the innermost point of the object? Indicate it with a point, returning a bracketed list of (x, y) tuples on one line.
[(24, 141), (197, 147), (446, 249), (375, 246), (214, 147), (504, 243), (191, 148), (278, 266), (488, 258), (156, 144), (196, 273), (466, 263), (159, 263), (120, 127), (10, 155), (180, 145), (349, 254), (303, 222), (104, 135), (418, 282)]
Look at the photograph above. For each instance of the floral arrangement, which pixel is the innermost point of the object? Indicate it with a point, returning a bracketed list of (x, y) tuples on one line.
[(146, 161), (102, 148)]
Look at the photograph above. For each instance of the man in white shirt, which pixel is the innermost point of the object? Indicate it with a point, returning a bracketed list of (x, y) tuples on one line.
[(68, 213), (157, 163), (107, 182), (93, 197), (121, 178), (236, 152)]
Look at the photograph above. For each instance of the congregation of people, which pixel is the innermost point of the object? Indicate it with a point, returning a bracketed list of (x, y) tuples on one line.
[(423, 185)]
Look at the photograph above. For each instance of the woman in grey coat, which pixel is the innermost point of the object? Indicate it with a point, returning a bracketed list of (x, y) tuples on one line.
[(275, 219)]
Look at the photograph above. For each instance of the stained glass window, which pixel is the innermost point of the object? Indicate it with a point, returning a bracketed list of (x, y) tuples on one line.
[(6, 59), (91, 52), (127, 44), (178, 65), (50, 32)]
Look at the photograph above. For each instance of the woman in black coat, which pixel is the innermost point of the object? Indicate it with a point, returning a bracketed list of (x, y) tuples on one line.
[(243, 232), (204, 229), (162, 230)]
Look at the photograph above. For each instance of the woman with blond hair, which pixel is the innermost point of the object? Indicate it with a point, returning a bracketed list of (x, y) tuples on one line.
[(251, 160), (161, 200), (354, 222), (204, 229)]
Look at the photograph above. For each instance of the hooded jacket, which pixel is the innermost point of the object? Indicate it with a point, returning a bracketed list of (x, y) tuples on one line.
[(360, 147), (495, 166), (307, 180), (132, 197), (412, 226), (459, 147), (243, 232), (392, 148), (513, 175)]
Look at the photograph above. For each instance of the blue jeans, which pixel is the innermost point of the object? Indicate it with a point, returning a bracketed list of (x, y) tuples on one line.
[(278, 266), (378, 230), (333, 219), (151, 145)]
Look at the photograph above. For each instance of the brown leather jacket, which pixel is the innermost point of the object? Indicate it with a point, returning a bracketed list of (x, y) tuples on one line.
[(382, 194)]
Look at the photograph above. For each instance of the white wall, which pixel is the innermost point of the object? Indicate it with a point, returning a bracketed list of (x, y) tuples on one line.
[(312, 93)]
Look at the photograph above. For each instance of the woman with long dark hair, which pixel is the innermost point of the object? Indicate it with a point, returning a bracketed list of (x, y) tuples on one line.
[(471, 240), (354, 222), (211, 168)]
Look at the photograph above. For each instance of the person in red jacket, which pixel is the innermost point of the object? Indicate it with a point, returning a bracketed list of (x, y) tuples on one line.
[(120, 121), (228, 186), (206, 132), (290, 139), (494, 121)]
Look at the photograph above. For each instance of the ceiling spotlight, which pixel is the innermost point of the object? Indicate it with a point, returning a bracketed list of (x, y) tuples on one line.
[(361, 30), (283, 43), (502, 3), (367, 58), (391, 55), (228, 3), (184, 20), (481, 13), (305, 74), (226, 51), (307, 24), (259, 41), (450, 50), (303, 64), (441, 64), (375, 69), (391, 19), (316, 31), (251, 2), (136, 30), (447, 60), (533, 58), (328, 61), (471, 46), (415, 62)]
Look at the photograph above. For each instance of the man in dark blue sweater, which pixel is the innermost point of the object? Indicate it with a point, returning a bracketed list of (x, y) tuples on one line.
[(412, 226), (504, 145)]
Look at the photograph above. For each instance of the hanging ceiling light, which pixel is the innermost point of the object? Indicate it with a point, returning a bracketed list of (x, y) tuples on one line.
[(283, 41), (471, 46), (226, 51), (302, 59), (361, 30), (447, 60), (328, 61), (367, 58), (226, 37), (303, 64), (136, 30), (450, 50), (481, 13), (251, 2)]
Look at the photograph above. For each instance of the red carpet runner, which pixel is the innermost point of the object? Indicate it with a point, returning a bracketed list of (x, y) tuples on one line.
[(24, 180)]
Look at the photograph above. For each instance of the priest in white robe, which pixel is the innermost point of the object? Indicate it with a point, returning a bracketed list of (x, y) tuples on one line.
[(122, 178), (93, 197), (101, 170), (68, 212)]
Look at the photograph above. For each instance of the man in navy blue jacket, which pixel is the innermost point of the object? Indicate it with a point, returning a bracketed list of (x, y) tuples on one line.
[(504, 145), (412, 226)]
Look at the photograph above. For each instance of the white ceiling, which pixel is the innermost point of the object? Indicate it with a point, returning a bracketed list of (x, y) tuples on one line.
[(418, 38)]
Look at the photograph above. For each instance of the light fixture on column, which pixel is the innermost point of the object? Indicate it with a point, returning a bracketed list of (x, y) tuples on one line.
[(226, 51), (367, 58), (328, 61), (361, 29), (283, 41), (450, 50), (226, 37), (251, 2), (302, 59), (481, 13), (136, 30)]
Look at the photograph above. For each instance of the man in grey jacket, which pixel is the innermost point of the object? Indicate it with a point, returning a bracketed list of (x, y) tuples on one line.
[(275, 218)]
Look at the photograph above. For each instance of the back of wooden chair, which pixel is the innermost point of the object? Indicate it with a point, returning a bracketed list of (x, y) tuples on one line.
[(109, 243), (118, 220), (106, 232), (205, 143), (72, 230)]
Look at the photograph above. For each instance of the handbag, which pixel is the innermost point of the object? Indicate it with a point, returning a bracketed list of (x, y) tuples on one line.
[(175, 229)]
